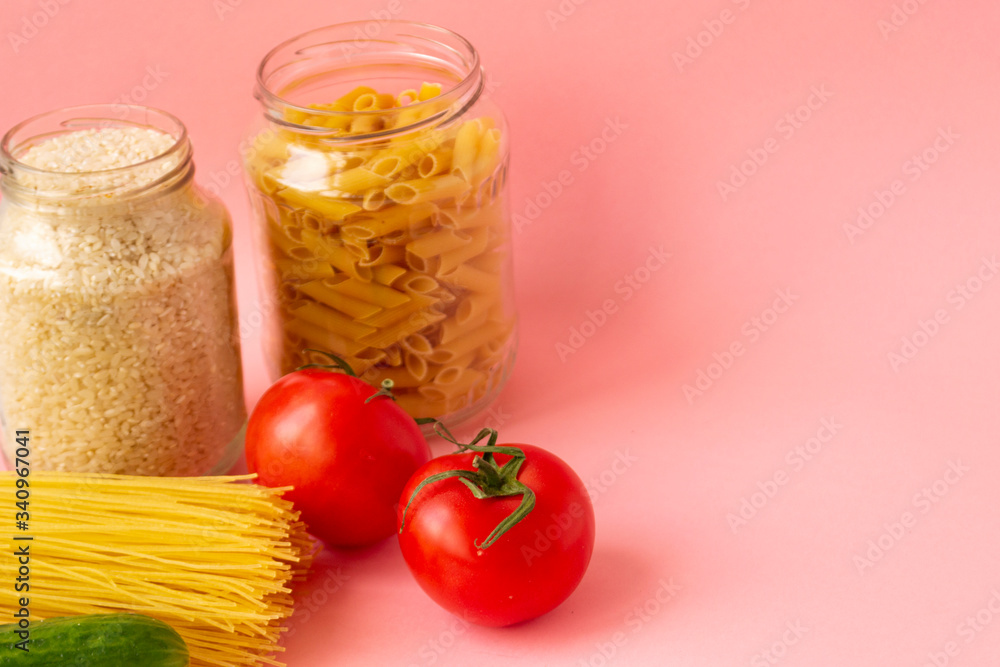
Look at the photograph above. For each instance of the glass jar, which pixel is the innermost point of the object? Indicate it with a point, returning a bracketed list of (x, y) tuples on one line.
[(377, 174), (118, 333)]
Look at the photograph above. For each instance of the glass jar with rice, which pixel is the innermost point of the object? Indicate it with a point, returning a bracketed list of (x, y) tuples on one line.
[(378, 178), (118, 336)]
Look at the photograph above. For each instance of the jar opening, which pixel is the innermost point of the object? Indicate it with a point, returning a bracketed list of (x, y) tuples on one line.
[(298, 80), (105, 173)]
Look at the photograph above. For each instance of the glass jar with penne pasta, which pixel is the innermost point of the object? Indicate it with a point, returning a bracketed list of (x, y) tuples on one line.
[(377, 173)]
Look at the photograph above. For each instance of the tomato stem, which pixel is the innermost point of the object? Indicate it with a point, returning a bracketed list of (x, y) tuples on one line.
[(515, 517), (385, 390), (337, 363), (341, 365), (490, 479), (489, 433)]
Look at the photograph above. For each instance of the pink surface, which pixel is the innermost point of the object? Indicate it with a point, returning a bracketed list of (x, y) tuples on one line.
[(842, 376)]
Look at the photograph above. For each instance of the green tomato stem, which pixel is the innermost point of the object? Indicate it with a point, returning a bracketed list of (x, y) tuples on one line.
[(490, 480), (385, 390), (338, 363), (341, 365), (515, 517)]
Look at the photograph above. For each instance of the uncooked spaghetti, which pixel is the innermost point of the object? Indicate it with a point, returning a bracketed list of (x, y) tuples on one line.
[(211, 556)]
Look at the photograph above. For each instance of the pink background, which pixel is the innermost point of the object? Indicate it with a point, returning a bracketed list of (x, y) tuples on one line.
[(675, 579)]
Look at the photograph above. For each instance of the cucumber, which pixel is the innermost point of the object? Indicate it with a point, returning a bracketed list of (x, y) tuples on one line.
[(99, 640)]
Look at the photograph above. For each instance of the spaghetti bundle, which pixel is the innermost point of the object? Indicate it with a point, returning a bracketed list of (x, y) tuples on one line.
[(210, 556)]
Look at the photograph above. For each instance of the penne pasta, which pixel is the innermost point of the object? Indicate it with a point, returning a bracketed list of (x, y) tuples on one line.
[(373, 102), (373, 200), (417, 344), (475, 309), (326, 206), (432, 164), (369, 356), (469, 315), (463, 384), (428, 90), (384, 255), (393, 219), (388, 274), (437, 243), (387, 165), (453, 371), (303, 270), (318, 337), (371, 292), (416, 367), (418, 304), (422, 190), (445, 295), (410, 153), (406, 97), (328, 318), (396, 332), (466, 148), (469, 277), (414, 282), (340, 256), (283, 242), (424, 265), (366, 124), (415, 113), (452, 259), (267, 181), (487, 155), (393, 356), (322, 292), (469, 218), (309, 220), (419, 407), (360, 251), (492, 263), (390, 251), (450, 351), (357, 180), (346, 102)]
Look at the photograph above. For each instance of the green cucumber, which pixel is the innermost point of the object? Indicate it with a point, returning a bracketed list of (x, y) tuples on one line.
[(100, 640)]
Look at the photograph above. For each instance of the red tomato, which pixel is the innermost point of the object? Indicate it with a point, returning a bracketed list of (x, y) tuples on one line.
[(526, 572), (346, 459)]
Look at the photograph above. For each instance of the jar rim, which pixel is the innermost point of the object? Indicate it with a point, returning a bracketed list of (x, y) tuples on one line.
[(464, 91), (66, 120)]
